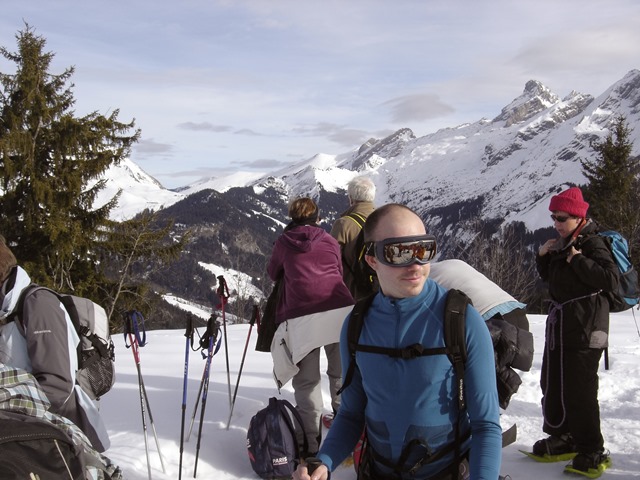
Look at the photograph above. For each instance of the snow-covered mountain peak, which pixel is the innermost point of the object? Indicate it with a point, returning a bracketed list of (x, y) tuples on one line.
[(369, 153), (500, 171), (139, 191), (624, 94), (535, 98)]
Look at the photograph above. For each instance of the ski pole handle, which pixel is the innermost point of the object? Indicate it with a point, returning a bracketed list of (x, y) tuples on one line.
[(222, 291), (255, 316), (189, 328)]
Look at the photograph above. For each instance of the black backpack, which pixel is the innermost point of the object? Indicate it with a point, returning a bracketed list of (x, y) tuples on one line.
[(454, 336), (455, 348), (272, 446), (512, 350), (366, 282), (34, 448)]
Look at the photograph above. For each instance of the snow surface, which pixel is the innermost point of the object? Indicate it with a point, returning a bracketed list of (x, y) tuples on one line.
[(222, 453)]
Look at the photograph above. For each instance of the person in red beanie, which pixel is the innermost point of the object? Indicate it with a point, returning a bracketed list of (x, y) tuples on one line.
[(579, 270)]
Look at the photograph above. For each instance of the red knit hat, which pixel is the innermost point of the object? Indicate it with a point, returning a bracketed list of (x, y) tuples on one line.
[(570, 201)]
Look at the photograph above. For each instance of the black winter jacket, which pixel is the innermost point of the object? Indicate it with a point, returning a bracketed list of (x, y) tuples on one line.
[(585, 322)]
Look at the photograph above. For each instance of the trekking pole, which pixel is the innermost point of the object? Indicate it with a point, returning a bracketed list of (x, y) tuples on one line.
[(189, 344), (132, 323), (254, 317), (195, 407), (212, 333), (223, 293), (204, 343)]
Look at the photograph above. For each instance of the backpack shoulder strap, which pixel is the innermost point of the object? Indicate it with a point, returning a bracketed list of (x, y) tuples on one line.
[(359, 221), (454, 333), (358, 218), (455, 311), (73, 313), (17, 312), (454, 336), (283, 405), (354, 328)]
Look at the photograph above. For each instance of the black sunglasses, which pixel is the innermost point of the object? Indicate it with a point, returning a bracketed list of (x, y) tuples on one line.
[(559, 218)]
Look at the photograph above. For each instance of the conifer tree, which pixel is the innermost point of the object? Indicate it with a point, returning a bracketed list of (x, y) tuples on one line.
[(130, 252), (613, 188), (50, 165)]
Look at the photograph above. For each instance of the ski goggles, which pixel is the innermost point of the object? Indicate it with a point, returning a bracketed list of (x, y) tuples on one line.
[(403, 251)]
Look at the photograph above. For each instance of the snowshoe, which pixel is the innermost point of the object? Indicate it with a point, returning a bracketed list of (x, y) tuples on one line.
[(554, 445), (590, 465), (546, 458)]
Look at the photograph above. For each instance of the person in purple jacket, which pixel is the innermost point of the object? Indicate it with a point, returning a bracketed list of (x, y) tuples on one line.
[(313, 305)]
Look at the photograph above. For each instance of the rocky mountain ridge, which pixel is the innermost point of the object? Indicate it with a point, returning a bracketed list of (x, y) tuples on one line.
[(494, 172)]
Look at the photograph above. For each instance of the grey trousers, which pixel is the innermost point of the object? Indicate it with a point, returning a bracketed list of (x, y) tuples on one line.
[(308, 391)]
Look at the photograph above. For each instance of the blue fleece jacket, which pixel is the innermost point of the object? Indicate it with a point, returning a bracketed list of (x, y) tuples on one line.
[(402, 400)]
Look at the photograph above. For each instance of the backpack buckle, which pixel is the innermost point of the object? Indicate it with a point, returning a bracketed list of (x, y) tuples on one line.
[(412, 351)]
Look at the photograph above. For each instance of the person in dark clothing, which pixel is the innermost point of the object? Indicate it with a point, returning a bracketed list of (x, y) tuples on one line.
[(580, 270)]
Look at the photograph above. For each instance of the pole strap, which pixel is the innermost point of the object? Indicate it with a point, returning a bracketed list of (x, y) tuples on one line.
[(208, 339), (134, 324)]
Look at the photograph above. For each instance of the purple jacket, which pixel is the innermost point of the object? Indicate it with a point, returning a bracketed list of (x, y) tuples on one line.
[(312, 265)]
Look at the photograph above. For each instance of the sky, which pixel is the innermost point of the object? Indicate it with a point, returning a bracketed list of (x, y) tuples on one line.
[(220, 86), (223, 455)]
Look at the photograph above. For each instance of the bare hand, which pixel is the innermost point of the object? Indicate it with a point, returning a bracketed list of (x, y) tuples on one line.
[(544, 249), (320, 473), (573, 252)]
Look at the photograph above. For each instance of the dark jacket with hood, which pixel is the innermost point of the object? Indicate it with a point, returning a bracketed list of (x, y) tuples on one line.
[(310, 260), (580, 287)]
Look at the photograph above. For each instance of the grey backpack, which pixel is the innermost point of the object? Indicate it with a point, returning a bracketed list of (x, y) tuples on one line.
[(96, 352)]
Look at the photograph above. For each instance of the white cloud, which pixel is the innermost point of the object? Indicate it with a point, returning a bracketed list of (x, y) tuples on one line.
[(263, 69)]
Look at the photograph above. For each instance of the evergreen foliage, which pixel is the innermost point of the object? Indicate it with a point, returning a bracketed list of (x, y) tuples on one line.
[(612, 191), (130, 252), (50, 165), (504, 257)]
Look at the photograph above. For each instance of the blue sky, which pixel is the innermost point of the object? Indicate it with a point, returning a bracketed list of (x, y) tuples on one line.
[(218, 86)]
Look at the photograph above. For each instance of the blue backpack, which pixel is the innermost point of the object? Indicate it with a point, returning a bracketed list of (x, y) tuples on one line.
[(628, 293)]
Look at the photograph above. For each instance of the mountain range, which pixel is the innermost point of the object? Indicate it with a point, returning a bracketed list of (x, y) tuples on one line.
[(494, 171)]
